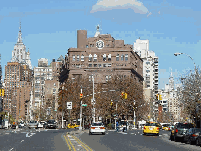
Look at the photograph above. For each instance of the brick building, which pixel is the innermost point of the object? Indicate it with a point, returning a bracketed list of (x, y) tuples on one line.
[(102, 56)]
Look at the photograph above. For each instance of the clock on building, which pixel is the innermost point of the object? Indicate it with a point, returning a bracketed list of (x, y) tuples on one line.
[(99, 44)]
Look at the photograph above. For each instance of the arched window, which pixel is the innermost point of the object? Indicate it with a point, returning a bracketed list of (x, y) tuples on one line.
[(126, 57), (95, 58), (104, 57), (122, 57), (82, 57), (90, 57), (117, 57), (109, 57), (78, 58)]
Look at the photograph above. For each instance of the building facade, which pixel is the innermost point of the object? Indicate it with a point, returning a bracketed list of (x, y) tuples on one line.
[(104, 57), (18, 77)]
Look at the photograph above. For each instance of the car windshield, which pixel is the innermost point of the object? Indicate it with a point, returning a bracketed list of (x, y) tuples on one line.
[(166, 125), (51, 121), (33, 121), (185, 126), (97, 124), (152, 124)]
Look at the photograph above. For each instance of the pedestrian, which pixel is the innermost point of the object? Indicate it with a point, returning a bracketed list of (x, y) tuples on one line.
[(117, 126)]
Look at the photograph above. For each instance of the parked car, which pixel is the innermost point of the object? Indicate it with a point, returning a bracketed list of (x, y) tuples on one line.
[(21, 124), (44, 123), (192, 135), (40, 125), (198, 140), (180, 129), (97, 127), (33, 124), (51, 124), (151, 128)]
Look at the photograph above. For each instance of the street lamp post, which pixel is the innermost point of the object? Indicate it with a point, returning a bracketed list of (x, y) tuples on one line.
[(80, 128), (93, 100), (134, 115), (62, 108)]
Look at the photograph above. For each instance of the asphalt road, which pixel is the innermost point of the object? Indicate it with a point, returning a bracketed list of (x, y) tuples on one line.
[(32, 140), (70, 139)]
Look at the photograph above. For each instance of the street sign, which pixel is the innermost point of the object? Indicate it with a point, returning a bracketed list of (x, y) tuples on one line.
[(69, 105), (84, 104)]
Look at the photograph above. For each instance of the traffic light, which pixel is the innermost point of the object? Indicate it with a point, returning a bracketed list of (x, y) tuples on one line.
[(81, 95), (125, 96), (1, 92), (122, 94), (156, 96), (160, 97)]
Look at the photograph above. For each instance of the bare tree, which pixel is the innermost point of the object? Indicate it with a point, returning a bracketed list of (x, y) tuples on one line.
[(191, 94)]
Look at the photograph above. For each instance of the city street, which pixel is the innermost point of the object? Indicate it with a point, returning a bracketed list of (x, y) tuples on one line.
[(70, 139)]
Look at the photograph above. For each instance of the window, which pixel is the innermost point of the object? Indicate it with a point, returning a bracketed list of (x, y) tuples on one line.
[(90, 65), (104, 57), (126, 57), (109, 65), (109, 57), (147, 62), (117, 57), (95, 58), (109, 77), (90, 57), (90, 45), (99, 65), (106, 78), (78, 57), (104, 65), (90, 77), (82, 57), (87, 46), (95, 65), (122, 57), (73, 57)]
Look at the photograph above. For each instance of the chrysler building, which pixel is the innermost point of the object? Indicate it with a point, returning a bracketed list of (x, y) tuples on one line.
[(19, 53)]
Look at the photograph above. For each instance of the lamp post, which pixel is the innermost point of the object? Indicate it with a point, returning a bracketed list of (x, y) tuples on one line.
[(80, 128), (134, 114), (62, 116), (93, 100), (179, 53)]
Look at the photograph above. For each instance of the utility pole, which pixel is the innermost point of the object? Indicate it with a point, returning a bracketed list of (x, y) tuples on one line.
[(62, 126), (80, 128), (134, 115), (94, 118)]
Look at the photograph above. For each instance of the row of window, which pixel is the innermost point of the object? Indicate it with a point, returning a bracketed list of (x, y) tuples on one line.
[(94, 58), (43, 69)]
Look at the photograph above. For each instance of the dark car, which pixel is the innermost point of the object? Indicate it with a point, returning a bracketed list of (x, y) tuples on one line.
[(180, 129), (51, 124), (191, 136)]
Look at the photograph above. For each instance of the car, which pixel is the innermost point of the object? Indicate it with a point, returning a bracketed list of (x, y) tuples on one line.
[(40, 125), (21, 124), (72, 126), (180, 129), (192, 135), (151, 128), (33, 124), (51, 124), (165, 127), (97, 127)]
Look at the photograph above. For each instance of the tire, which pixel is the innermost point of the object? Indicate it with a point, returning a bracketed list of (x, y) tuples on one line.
[(157, 134), (197, 142), (175, 139), (103, 133), (90, 133)]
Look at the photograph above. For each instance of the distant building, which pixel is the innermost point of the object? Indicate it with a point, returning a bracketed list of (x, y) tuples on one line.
[(19, 53), (18, 78)]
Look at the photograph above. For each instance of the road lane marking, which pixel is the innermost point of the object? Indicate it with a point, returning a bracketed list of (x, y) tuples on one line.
[(67, 143), (22, 140), (11, 149), (84, 145), (71, 144)]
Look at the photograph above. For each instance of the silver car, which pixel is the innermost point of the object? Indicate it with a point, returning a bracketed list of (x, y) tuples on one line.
[(33, 124)]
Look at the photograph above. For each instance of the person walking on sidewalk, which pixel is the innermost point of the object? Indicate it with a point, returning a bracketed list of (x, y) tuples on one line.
[(117, 126)]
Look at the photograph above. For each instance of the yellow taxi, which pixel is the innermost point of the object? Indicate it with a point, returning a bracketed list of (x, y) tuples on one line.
[(151, 128), (166, 127), (72, 126)]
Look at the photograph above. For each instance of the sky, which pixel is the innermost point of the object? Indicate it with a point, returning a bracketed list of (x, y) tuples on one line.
[(49, 28)]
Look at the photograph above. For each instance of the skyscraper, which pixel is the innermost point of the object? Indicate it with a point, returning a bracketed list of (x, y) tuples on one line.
[(18, 78)]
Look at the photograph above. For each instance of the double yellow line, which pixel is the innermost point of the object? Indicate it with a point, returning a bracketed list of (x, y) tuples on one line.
[(70, 145)]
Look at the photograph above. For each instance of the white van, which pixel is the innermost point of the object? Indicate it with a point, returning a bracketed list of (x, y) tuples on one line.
[(5, 123)]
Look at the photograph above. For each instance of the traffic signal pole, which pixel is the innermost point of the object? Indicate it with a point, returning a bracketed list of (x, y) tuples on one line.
[(93, 100)]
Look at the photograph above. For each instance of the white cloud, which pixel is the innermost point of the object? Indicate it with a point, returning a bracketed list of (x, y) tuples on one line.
[(104, 5)]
